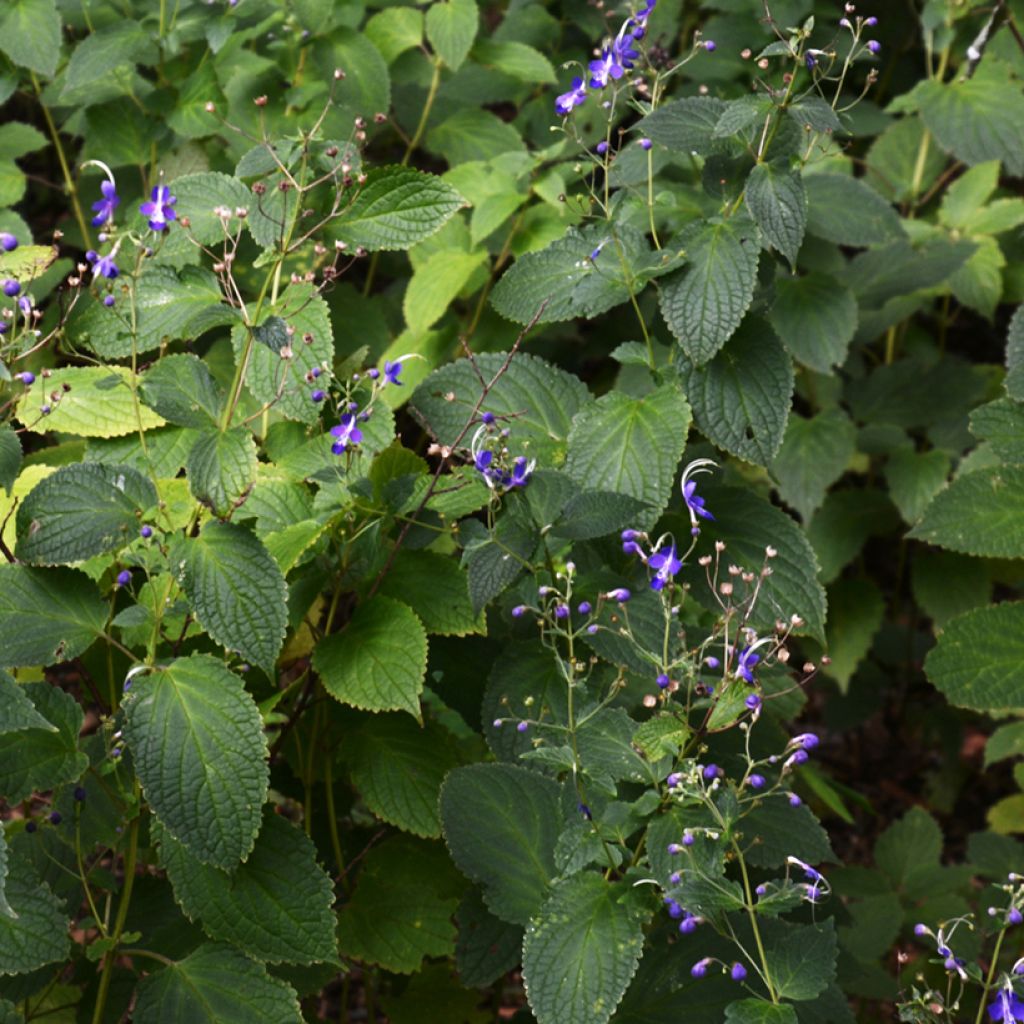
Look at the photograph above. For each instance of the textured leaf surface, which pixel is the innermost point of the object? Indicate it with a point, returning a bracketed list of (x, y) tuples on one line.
[(847, 211), (82, 510), (705, 303), (980, 513), (276, 906), (782, 831), (630, 446), (221, 468), (236, 590), (98, 404), (398, 767), (741, 398), (47, 615), (181, 389), (486, 947), (814, 454), (978, 661), (1001, 423), (542, 398), (686, 126), (816, 318), (30, 34), (777, 201), (396, 208), (581, 951), (451, 28), (801, 958), (19, 712), (436, 589), (501, 823), (757, 1011), (378, 662), (915, 478), (37, 934), (10, 457), (199, 194), (1015, 356), (197, 744), (215, 985), (855, 612)]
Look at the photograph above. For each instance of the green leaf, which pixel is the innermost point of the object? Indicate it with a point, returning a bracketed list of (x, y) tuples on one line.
[(977, 119), (398, 767), (402, 907), (493, 564), (27, 261), (436, 589), (979, 513), (1007, 741), (777, 831), (518, 60), (814, 455), (396, 208), (395, 30), (436, 284), (977, 662), (215, 984), (81, 510), (10, 457), (631, 446), (1015, 356), (471, 135), (741, 398), (801, 958), (45, 758), (590, 514), (96, 402), (946, 584), (581, 951), (567, 282), (276, 905), (197, 744), (486, 947), (814, 114), (501, 823), (367, 88), (542, 399), (104, 54), (748, 524), (893, 161), (199, 194), (37, 933), (686, 126), (777, 201), (19, 711), (704, 304), (221, 469), (842, 525), (847, 211), (236, 590), (909, 849), (378, 661), (968, 193), (451, 29), (1001, 423), (914, 478), (978, 283), (816, 318), (758, 1011), (47, 615), (182, 390), (855, 612), (30, 34)]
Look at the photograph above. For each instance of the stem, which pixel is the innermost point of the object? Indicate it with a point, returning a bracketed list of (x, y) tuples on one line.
[(991, 974), (332, 817), (650, 197), (749, 896)]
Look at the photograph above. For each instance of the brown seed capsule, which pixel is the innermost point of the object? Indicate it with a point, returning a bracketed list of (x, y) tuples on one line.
[(259, 188), (338, 74), (380, 118), (331, 151), (260, 101), (210, 107)]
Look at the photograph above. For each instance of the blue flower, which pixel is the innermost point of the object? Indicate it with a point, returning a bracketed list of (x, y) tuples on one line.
[(607, 67), (666, 565), (483, 461), (521, 472), (160, 209), (102, 266), (346, 433), (638, 23), (1007, 1007), (568, 101), (694, 502), (105, 207), (622, 47), (391, 372), (748, 659)]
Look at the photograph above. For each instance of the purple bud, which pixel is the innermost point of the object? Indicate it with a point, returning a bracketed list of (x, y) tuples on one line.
[(620, 594), (8, 242), (561, 611), (663, 681), (318, 395), (710, 46), (629, 535), (124, 577), (602, 147), (45, 410), (674, 779), (108, 301), (676, 877), (11, 288), (115, 752), (630, 547), (646, 143), (845, 23), (712, 662), (584, 608), (1014, 916), (799, 756), (146, 532), (79, 794), (753, 701), (700, 968), (592, 628), (871, 22), (738, 972), (496, 723), (674, 849), (26, 377), (688, 925), (806, 740), (761, 890), (950, 963), (674, 910), (4, 327), (756, 781), (522, 726), (56, 818), (373, 373), (518, 611), (874, 46), (920, 929), (488, 418), (315, 372), (794, 800), (687, 840), (711, 772)]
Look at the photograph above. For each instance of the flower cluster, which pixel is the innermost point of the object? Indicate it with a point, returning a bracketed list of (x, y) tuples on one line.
[(498, 468)]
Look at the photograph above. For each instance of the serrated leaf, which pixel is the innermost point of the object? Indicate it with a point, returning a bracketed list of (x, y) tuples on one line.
[(777, 201), (977, 662), (909, 848), (47, 615), (493, 564), (842, 525), (1001, 424), (36, 933), (182, 390), (198, 194), (197, 743), (847, 211), (110, 51), (96, 402), (436, 284), (968, 193), (395, 30), (758, 1011), (378, 661), (236, 590), (775, 831), (451, 28), (801, 958), (814, 114), (704, 304), (980, 513), (501, 824), (398, 767), (581, 951), (814, 455), (221, 468), (1015, 356), (591, 514), (1007, 741), (892, 161), (978, 283), (472, 134), (436, 589), (30, 34), (855, 612), (630, 446), (276, 905), (486, 947), (81, 510), (19, 711), (686, 126), (516, 59), (396, 208), (741, 398), (914, 478), (27, 261), (215, 984), (542, 398), (10, 457), (816, 318)]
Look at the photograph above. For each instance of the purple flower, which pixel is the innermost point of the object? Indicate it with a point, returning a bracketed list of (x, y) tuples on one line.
[(1006, 1007), (105, 207), (124, 577), (522, 726), (1014, 916), (756, 781), (630, 547), (753, 702), (645, 143), (748, 659), (593, 628), (711, 772), (519, 611), (666, 565), (871, 22), (712, 662), (674, 779), (622, 47), (639, 20), (102, 266), (346, 433), (920, 929), (568, 101), (874, 46), (391, 372), (606, 68), (700, 968), (483, 461), (488, 418), (27, 377), (561, 611), (688, 925), (318, 395), (807, 740), (56, 818), (602, 147), (521, 472), (8, 242), (160, 209), (738, 972), (710, 45), (146, 532), (694, 502), (11, 288), (674, 910), (584, 608), (663, 681)]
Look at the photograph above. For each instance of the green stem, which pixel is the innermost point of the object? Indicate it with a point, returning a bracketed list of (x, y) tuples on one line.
[(991, 974), (752, 914)]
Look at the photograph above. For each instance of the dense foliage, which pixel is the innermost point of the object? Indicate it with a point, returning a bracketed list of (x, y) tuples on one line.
[(511, 511)]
